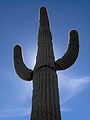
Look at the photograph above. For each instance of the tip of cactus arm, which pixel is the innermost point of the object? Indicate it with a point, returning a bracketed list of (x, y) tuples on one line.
[(73, 31), (42, 8), (17, 50), (74, 37), (17, 46)]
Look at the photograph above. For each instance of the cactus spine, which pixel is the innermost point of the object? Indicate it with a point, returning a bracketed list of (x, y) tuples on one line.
[(45, 100)]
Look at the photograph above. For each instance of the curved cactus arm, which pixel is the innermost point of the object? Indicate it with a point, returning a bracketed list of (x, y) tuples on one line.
[(71, 54), (20, 68)]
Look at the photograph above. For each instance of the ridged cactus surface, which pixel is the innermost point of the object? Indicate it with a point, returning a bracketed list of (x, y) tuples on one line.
[(45, 99)]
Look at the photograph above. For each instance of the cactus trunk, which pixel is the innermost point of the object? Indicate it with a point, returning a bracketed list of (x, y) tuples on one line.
[(45, 100)]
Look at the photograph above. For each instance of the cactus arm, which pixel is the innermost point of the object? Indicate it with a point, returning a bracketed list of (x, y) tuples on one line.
[(71, 54), (20, 68)]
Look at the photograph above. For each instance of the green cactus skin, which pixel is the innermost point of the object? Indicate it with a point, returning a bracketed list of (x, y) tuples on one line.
[(45, 100)]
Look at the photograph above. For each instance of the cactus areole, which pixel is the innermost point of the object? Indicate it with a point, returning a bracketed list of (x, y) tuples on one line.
[(45, 99)]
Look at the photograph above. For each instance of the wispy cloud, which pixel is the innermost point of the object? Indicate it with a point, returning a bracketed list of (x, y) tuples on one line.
[(70, 87), (15, 112), (15, 99), (65, 109)]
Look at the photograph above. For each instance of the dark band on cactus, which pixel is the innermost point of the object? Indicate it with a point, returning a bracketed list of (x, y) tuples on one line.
[(48, 66), (21, 69), (71, 54)]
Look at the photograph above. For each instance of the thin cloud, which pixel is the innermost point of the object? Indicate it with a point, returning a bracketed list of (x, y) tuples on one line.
[(65, 109), (15, 112), (16, 98), (70, 87)]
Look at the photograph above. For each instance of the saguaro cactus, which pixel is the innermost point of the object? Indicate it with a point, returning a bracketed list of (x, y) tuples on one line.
[(45, 100)]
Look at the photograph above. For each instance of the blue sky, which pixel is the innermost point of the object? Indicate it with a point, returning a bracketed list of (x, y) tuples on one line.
[(19, 25)]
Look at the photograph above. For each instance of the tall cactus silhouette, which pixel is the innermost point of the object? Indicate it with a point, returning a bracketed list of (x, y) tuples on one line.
[(45, 100)]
